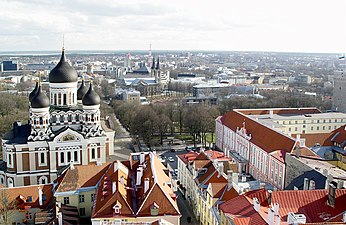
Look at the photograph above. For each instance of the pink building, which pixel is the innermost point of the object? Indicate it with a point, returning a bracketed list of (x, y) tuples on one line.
[(258, 149)]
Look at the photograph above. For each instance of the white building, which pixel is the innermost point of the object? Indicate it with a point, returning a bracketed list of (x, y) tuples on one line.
[(63, 129)]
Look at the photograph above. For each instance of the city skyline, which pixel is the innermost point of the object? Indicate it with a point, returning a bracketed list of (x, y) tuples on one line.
[(286, 26)]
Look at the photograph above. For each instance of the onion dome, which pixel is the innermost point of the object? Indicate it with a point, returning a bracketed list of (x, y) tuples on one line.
[(63, 72), (34, 92), (40, 100), (91, 97), (81, 91)]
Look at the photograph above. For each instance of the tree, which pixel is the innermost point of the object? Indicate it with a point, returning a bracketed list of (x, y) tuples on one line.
[(6, 207)]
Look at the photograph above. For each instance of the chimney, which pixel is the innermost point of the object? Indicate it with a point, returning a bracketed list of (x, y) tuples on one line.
[(269, 199), (235, 177), (71, 165), (115, 166), (60, 218), (243, 178), (146, 185), (139, 175), (114, 187), (276, 209), (141, 158), (270, 216), (340, 184), (229, 179), (256, 204), (298, 145), (331, 194), (306, 184), (220, 169), (271, 114), (328, 180), (40, 199), (277, 220), (312, 185)]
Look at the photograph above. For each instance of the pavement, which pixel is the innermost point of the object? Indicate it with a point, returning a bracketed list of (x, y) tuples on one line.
[(185, 211)]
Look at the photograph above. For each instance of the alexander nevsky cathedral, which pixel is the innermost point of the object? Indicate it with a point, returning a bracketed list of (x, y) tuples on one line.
[(64, 128)]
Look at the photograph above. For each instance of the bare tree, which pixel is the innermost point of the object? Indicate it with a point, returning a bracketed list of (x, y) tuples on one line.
[(6, 207)]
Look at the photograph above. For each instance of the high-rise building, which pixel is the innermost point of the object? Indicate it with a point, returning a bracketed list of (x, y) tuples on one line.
[(9, 66), (64, 128)]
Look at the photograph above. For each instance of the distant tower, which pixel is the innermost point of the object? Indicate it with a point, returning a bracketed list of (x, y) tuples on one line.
[(339, 93), (152, 68), (127, 61), (157, 71), (149, 50)]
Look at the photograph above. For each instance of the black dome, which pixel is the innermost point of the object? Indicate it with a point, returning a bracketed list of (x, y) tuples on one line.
[(40, 100), (81, 91), (63, 72), (34, 92), (91, 97)]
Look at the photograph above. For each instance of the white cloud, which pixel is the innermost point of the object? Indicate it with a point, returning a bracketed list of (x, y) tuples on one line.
[(314, 26)]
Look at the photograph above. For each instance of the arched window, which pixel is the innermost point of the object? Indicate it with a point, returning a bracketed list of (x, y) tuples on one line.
[(65, 99), (68, 157), (62, 157), (43, 180), (2, 180)]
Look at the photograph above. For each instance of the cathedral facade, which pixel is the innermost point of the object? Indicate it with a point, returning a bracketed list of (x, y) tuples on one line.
[(64, 128)]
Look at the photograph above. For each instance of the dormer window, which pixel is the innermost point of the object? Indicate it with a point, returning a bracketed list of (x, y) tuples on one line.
[(117, 208), (154, 209), (29, 199)]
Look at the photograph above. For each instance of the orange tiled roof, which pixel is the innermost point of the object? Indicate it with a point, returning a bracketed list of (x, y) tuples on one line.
[(264, 137), (338, 136), (134, 201), (82, 176), (312, 139), (14, 193), (311, 203)]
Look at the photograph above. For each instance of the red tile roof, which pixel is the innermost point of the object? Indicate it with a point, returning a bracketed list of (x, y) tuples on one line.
[(338, 136), (311, 203), (241, 207), (187, 157), (132, 198), (264, 137), (82, 176), (23, 193)]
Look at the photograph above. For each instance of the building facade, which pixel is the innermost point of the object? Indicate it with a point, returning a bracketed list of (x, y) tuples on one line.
[(64, 128)]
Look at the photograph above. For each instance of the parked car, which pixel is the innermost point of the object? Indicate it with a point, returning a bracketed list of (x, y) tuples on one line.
[(188, 148), (170, 159)]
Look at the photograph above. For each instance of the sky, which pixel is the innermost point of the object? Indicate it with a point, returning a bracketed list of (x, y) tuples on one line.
[(227, 25)]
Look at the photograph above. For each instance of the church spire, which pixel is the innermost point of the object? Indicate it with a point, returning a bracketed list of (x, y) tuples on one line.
[(158, 63)]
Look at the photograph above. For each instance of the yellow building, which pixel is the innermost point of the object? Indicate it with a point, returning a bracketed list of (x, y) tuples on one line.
[(77, 186), (297, 121)]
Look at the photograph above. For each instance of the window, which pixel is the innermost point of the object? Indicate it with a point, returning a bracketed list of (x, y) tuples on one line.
[(29, 199), (44, 197), (62, 157), (75, 156), (66, 200), (68, 157), (42, 161), (43, 180), (312, 128), (9, 157), (295, 129), (81, 198), (82, 212), (317, 128), (92, 197)]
